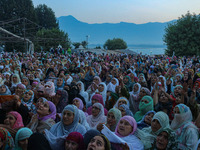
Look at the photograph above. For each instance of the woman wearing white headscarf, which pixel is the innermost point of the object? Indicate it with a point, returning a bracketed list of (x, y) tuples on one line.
[(102, 89), (112, 85), (82, 91), (97, 115), (82, 120)]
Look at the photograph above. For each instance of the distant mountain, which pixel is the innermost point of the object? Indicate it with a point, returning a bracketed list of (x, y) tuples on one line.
[(134, 34)]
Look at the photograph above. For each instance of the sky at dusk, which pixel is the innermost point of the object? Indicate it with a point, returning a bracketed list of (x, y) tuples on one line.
[(115, 11)]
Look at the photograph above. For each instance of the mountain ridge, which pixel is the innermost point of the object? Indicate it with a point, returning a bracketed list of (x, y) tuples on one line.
[(134, 34)]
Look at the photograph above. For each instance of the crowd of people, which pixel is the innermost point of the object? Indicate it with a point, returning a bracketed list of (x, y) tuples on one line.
[(85, 101)]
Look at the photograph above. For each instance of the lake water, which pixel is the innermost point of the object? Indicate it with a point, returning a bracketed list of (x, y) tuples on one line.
[(148, 51)]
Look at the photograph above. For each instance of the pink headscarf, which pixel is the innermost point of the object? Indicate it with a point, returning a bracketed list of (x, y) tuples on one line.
[(132, 122), (80, 103), (100, 100), (19, 122)]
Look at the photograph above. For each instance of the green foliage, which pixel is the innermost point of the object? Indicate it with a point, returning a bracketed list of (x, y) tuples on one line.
[(48, 38), (15, 9), (76, 44), (115, 43), (183, 36), (84, 44), (46, 17), (97, 47)]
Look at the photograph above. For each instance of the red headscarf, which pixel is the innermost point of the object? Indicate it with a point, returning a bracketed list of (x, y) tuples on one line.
[(76, 137)]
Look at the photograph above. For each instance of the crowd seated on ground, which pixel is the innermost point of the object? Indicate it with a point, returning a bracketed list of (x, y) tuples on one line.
[(88, 101)]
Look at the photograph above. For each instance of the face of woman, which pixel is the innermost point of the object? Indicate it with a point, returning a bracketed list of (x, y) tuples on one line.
[(122, 101), (10, 120), (43, 109), (155, 125), (176, 110), (113, 81), (71, 145), (162, 141), (25, 82), (135, 88), (76, 103), (148, 118), (96, 80), (108, 78), (79, 86), (111, 119), (95, 101), (123, 112), (142, 93), (163, 98), (2, 89), (59, 81), (124, 128), (125, 80), (95, 111), (68, 117), (101, 88), (23, 143), (14, 79), (177, 91), (97, 143), (27, 95)]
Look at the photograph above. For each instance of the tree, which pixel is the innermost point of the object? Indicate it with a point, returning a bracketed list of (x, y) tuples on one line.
[(46, 17), (76, 44), (115, 43), (48, 38), (183, 36), (13, 10), (84, 44)]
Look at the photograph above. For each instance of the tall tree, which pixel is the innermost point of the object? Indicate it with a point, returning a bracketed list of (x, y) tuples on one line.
[(46, 17), (183, 36), (47, 38), (13, 10)]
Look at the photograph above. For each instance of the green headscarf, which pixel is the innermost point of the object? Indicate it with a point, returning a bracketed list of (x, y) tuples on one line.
[(144, 108), (172, 142), (117, 114)]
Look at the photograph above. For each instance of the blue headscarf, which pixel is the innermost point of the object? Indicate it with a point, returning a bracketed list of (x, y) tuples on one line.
[(22, 134), (58, 132), (127, 109), (141, 124), (7, 90), (59, 87)]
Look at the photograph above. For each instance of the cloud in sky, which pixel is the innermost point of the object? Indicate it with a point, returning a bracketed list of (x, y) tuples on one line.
[(114, 11)]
